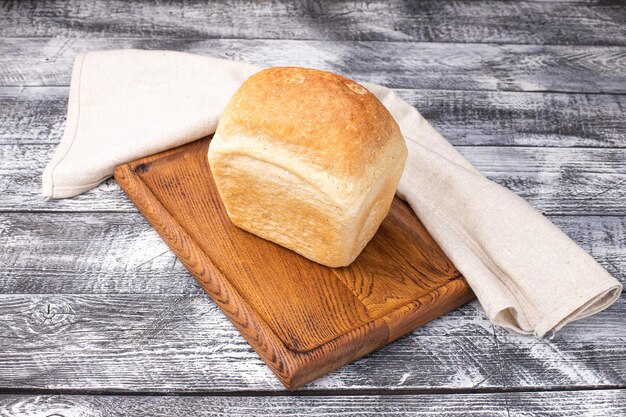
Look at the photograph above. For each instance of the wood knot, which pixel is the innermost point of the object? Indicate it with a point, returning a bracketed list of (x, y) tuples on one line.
[(52, 315), (141, 168)]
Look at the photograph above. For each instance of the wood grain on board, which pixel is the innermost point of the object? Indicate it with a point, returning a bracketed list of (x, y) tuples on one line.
[(421, 65), (433, 21), (302, 318)]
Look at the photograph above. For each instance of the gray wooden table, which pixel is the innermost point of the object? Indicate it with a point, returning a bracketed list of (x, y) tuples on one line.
[(97, 317)]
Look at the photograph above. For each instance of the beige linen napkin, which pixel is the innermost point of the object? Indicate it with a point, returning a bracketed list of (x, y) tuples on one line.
[(527, 274)]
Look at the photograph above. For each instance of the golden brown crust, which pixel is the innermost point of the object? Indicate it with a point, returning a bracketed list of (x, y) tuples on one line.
[(330, 120), (309, 160)]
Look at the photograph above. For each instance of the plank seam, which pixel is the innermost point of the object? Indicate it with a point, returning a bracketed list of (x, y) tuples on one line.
[(307, 393), (235, 38)]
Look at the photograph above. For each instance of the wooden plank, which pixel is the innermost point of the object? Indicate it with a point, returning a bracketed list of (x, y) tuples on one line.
[(523, 119), (32, 115), (587, 69), (557, 404), (184, 344), (37, 115), (56, 253), (430, 21), (59, 253), (554, 180), (557, 180)]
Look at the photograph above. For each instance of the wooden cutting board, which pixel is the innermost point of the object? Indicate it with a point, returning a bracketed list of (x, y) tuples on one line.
[(302, 318)]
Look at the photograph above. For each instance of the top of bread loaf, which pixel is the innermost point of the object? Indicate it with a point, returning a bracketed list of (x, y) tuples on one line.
[(328, 120)]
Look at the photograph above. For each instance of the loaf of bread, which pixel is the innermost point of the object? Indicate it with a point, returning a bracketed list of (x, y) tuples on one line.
[(309, 160)]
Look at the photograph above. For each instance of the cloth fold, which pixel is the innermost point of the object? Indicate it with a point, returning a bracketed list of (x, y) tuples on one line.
[(527, 274)]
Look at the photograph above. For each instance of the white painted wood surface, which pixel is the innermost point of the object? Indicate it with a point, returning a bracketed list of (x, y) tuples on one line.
[(97, 317), (431, 21), (182, 343), (420, 65), (36, 115), (523, 404)]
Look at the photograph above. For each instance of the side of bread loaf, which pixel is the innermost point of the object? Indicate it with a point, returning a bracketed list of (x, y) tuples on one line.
[(309, 160)]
